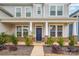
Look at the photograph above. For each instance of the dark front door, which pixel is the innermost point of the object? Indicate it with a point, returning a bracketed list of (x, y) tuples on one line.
[(38, 34)]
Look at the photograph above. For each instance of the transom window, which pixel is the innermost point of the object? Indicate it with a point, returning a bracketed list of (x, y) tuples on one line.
[(56, 30), (18, 12), (28, 12), (22, 31)]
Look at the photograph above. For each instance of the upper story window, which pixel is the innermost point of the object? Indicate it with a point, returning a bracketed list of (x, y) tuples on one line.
[(39, 10), (28, 12), (53, 10), (18, 12), (59, 10)]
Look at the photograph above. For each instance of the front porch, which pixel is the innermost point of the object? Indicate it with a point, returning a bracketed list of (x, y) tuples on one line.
[(38, 28)]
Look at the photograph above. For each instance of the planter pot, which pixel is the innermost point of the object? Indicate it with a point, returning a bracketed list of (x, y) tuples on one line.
[(57, 49), (2, 47), (12, 48)]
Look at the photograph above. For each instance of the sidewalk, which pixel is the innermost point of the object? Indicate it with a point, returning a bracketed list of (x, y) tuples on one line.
[(37, 51)]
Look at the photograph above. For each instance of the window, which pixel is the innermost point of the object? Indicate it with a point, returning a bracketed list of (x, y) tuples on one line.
[(22, 31), (25, 31), (59, 10), (59, 31), (52, 30), (19, 31), (28, 12), (52, 10), (39, 10), (18, 12)]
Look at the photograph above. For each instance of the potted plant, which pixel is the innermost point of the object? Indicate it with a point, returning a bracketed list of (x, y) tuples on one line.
[(14, 41), (28, 41), (72, 41), (61, 41), (3, 40), (50, 41)]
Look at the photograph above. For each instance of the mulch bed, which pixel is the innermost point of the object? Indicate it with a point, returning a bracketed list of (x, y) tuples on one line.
[(48, 52), (22, 50)]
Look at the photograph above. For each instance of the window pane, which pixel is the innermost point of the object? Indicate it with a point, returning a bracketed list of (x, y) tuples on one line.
[(28, 12), (52, 31), (59, 30), (59, 10), (39, 10), (25, 31), (18, 12), (19, 31), (52, 10)]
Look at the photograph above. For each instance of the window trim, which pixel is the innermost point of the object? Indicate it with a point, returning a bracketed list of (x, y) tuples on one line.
[(41, 10), (56, 29), (21, 30), (15, 11), (50, 10), (62, 10), (55, 10), (31, 11)]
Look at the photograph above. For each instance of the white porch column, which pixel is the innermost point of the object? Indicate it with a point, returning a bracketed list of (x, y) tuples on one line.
[(75, 28), (30, 30), (46, 28)]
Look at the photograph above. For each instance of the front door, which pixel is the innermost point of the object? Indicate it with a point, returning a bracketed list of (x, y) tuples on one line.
[(38, 34)]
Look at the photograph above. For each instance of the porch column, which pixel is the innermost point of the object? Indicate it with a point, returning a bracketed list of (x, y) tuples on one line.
[(46, 26), (30, 30), (75, 29), (46, 31)]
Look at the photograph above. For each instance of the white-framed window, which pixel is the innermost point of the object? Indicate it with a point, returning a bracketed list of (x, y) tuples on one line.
[(56, 10), (52, 10), (59, 31), (19, 31), (22, 31), (25, 31), (52, 30), (59, 10), (18, 11), (39, 10), (56, 30), (28, 11)]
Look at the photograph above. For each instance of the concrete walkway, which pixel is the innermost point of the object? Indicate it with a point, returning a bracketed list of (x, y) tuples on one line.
[(37, 50)]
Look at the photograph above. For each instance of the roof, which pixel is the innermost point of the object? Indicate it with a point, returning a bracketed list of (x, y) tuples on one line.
[(6, 12), (74, 13)]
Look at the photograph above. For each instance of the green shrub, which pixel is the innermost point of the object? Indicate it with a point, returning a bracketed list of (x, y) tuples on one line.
[(60, 41), (14, 40), (3, 39), (50, 41), (72, 41), (28, 41)]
